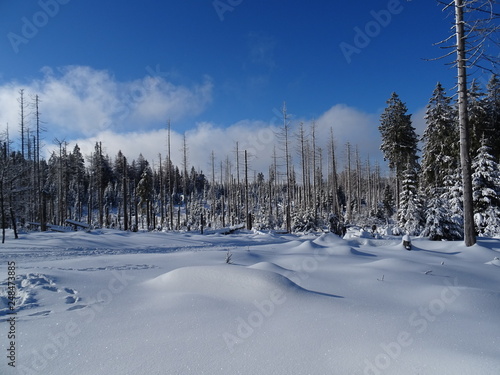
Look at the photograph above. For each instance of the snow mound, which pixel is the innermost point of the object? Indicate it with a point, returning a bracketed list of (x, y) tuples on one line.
[(224, 282), (293, 243), (307, 246), (328, 239), (399, 265), (331, 244), (269, 266)]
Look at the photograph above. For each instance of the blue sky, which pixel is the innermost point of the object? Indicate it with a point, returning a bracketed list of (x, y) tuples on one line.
[(116, 71)]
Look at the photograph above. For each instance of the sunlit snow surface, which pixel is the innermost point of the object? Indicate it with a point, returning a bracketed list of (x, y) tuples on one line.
[(109, 302)]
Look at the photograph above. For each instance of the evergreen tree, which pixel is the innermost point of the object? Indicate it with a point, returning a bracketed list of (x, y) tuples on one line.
[(440, 151), (478, 115), (438, 223), (486, 192), (493, 113), (399, 140), (145, 193), (388, 202), (410, 207), (101, 174), (76, 170), (453, 196)]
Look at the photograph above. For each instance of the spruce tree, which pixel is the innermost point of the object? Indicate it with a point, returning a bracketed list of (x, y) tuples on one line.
[(399, 140), (76, 182), (144, 192), (410, 213), (438, 223), (440, 150), (486, 192), (493, 115), (478, 115), (388, 202), (453, 196)]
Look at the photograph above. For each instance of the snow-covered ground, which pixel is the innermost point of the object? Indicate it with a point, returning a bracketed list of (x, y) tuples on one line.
[(109, 302)]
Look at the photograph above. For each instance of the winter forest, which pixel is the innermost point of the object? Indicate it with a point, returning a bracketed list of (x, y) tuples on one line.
[(307, 187)]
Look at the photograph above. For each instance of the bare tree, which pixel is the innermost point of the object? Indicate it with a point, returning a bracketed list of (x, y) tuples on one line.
[(348, 184), (185, 177), (334, 181), (170, 180), (22, 117), (285, 134)]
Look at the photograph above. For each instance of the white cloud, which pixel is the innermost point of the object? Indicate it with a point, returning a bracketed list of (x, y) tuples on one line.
[(9, 107), (81, 101)]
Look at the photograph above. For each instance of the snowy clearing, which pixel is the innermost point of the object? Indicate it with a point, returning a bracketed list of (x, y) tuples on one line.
[(111, 302)]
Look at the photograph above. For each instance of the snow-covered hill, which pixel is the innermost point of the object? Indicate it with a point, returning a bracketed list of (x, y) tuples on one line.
[(109, 302)]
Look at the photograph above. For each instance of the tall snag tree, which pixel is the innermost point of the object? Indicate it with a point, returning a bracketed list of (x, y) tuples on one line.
[(399, 140), (284, 138), (474, 30)]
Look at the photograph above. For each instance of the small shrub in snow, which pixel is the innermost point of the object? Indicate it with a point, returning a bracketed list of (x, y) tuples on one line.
[(228, 257)]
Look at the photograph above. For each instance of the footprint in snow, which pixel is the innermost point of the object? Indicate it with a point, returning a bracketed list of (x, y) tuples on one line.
[(41, 313), (76, 307), (50, 288), (71, 300)]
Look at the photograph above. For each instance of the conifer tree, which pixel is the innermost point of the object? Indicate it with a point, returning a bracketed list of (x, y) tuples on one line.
[(388, 202), (493, 115), (486, 192), (410, 207), (440, 150), (453, 196), (478, 116), (76, 182), (145, 193), (399, 140), (438, 223)]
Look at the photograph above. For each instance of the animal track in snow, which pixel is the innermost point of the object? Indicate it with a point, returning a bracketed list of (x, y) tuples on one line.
[(71, 299), (41, 313), (32, 290), (76, 307), (125, 267)]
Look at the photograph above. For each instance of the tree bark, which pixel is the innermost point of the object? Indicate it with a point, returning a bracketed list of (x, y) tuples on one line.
[(465, 159)]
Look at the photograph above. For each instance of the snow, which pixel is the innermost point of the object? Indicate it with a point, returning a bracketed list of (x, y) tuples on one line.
[(111, 302)]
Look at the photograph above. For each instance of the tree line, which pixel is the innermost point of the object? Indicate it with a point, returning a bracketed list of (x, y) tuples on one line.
[(305, 189)]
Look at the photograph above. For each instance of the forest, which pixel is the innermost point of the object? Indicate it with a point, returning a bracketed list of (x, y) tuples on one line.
[(305, 189)]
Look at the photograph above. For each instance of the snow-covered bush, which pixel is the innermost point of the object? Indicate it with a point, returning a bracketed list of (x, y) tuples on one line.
[(438, 224), (304, 222)]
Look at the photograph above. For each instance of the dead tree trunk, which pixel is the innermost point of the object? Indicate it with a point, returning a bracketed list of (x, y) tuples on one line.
[(465, 159)]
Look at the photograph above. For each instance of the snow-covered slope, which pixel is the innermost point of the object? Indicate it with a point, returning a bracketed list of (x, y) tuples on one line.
[(109, 302)]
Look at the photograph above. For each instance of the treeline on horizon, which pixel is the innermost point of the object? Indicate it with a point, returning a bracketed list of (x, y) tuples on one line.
[(421, 197)]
